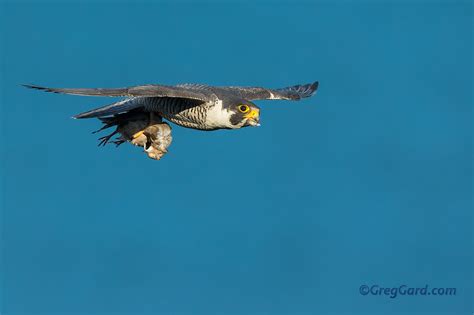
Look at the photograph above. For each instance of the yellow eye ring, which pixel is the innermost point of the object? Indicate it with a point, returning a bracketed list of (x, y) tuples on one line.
[(243, 108)]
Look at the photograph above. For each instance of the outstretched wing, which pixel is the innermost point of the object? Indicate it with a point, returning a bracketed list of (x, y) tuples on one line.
[(295, 92), (152, 90)]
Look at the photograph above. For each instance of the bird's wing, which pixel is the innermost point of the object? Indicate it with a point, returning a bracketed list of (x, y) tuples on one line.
[(152, 90), (295, 92)]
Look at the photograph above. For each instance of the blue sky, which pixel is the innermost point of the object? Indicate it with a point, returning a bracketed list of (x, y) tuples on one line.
[(368, 182)]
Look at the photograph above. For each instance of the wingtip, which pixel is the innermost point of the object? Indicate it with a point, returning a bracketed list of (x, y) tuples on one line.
[(83, 115), (311, 88), (33, 86)]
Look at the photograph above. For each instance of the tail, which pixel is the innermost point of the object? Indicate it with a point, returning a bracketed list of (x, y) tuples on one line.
[(118, 120), (112, 109)]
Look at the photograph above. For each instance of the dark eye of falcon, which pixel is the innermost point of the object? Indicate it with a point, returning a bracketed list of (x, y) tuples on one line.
[(244, 108)]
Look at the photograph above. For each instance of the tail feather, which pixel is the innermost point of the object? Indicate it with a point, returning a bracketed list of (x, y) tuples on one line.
[(122, 118), (119, 121), (104, 140)]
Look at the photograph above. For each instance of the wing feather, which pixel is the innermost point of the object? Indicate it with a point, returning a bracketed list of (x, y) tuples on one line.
[(295, 92), (152, 90)]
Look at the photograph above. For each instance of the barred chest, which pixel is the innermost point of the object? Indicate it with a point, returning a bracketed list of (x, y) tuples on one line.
[(208, 116), (194, 117)]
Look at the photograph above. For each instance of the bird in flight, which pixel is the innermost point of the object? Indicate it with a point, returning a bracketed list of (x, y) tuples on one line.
[(138, 118)]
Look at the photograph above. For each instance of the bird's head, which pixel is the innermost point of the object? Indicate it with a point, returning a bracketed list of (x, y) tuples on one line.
[(245, 114)]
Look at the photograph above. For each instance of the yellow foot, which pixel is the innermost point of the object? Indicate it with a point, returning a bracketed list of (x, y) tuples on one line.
[(138, 134), (139, 138)]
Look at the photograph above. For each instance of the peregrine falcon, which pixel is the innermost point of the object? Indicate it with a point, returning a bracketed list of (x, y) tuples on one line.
[(138, 118)]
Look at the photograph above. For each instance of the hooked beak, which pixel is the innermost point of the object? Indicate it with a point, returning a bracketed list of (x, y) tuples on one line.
[(253, 117)]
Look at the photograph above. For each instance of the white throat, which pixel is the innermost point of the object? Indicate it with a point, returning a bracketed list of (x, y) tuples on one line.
[(218, 117)]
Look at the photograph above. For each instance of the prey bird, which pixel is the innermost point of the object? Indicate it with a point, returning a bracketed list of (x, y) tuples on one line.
[(138, 117)]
